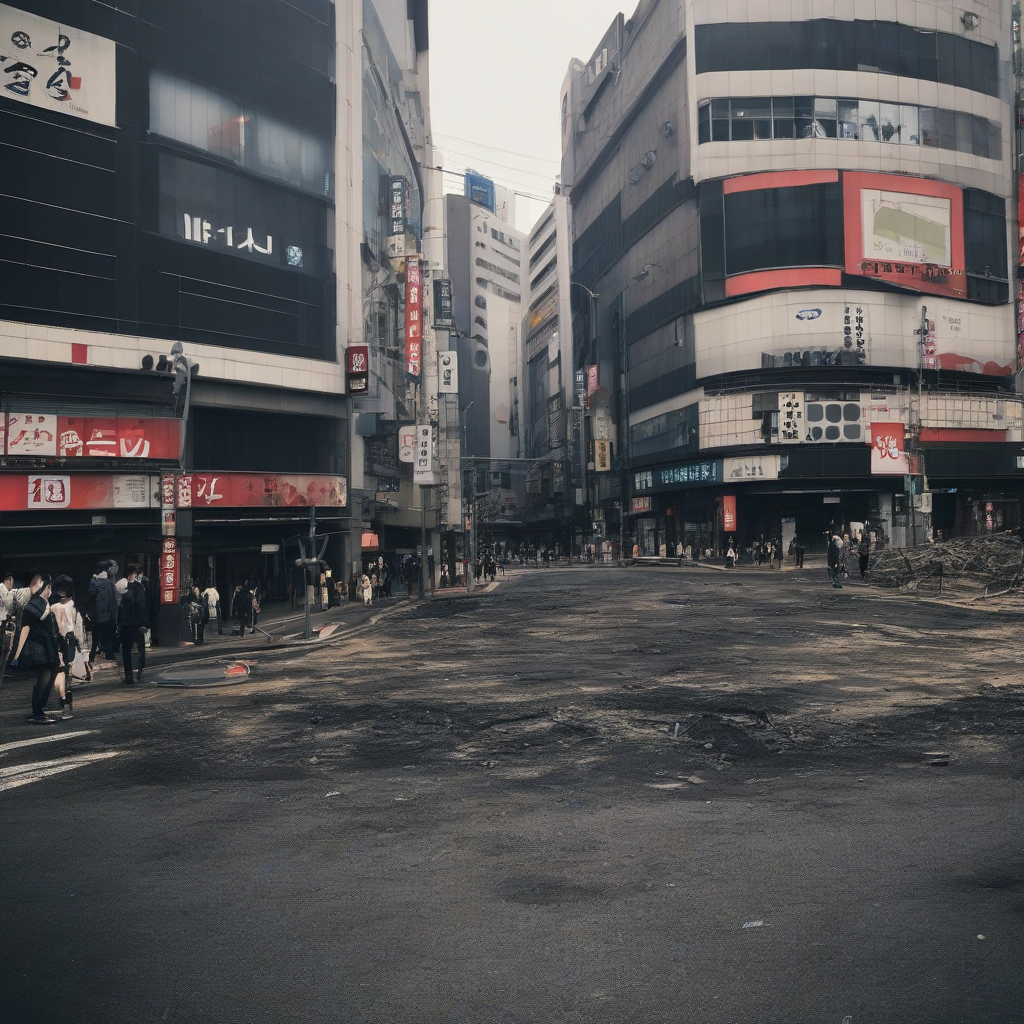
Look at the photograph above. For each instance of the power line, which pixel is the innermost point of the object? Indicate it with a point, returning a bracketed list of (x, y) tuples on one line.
[(507, 167), (497, 149)]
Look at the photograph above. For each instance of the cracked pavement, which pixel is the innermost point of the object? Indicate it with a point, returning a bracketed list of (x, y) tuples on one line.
[(591, 795)]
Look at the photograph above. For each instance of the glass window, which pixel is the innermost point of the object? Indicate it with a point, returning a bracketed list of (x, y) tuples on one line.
[(929, 119), (927, 64), (908, 51), (947, 129), (964, 132), (719, 129), (869, 125), (803, 113), (889, 122), (704, 123), (848, 127), (995, 141), (196, 116), (825, 116), (782, 116), (909, 131)]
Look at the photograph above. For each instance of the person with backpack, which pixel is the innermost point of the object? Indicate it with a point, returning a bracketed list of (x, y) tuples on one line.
[(134, 618)]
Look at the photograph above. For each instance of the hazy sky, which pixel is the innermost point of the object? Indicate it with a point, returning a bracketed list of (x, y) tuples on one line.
[(496, 68)]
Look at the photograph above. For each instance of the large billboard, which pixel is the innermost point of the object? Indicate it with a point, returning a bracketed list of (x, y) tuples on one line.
[(908, 231), (54, 66)]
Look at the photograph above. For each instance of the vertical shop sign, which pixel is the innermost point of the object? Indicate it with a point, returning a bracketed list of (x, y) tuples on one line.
[(444, 318), (423, 468), (728, 512), (413, 316), (396, 188), (592, 382), (169, 571), (447, 373), (580, 389), (357, 366)]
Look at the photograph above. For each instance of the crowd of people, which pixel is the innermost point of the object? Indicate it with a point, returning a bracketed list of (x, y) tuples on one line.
[(44, 633)]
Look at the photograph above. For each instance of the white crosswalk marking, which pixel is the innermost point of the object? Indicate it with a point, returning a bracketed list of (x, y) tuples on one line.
[(48, 738), (23, 774)]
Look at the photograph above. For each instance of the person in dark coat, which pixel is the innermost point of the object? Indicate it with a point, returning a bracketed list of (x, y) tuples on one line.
[(101, 605), (134, 618), (241, 606)]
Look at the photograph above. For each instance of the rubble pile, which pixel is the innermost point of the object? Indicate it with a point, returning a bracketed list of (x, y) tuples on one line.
[(969, 567)]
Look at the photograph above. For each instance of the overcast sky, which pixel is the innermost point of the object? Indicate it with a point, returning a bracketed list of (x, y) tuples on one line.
[(496, 69)]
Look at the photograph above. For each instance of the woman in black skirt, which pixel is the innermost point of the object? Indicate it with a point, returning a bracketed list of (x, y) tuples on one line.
[(36, 648)]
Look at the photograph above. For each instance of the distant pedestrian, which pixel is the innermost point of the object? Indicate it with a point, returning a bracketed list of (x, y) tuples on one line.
[(212, 598), (730, 557), (366, 586), (134, 618), (241, 606), (864, 553), (798, 550), (835, 560)]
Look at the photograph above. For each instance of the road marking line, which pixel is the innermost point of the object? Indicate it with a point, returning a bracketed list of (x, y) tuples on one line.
[(22, 775), (50, 738)]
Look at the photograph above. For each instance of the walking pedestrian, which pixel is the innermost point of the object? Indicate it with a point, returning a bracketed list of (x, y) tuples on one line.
[(212, 598), (798, 548), (835, 560), (730, 557), (101, 607), (71, 636), (36, 647), (134, 618), (241, 606), (366, 586), (864, 553)]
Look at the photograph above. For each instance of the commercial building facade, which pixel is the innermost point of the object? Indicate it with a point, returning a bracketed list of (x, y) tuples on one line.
[(181, 174), (801, 234)]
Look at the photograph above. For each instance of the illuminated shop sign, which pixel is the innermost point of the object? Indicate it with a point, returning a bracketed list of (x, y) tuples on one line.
[(671, 477)]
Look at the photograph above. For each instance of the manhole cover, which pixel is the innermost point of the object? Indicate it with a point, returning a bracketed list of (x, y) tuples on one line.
[(204, 675)]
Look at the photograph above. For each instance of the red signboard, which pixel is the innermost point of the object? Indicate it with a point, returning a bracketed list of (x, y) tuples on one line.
[(728, 512), (908, 231), (74, 437), (357, 366), (20, 492), (413, 316), (169, 571), (592, 382), (249, 490), (889, 450)]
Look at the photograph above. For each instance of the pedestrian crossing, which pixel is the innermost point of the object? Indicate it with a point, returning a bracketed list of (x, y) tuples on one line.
[(15, 775)]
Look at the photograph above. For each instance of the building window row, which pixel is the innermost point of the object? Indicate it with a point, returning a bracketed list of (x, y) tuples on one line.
[(884, 47), (760, 118), (215, 123), (500, 271)]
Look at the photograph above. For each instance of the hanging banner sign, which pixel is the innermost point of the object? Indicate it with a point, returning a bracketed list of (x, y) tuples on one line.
[(592, 382), (406, 444), (447, 373), (57, 67), (728, 512), (579, 389), (413, 316), (252, 490)]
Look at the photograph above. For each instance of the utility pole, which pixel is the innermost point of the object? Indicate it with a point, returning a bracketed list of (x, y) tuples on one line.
[(424, 493)]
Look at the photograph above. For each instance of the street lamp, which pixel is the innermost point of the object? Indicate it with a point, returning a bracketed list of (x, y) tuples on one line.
[(470, 562)]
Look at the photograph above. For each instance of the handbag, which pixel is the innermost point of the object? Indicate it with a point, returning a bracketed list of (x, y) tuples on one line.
[(34, 654)]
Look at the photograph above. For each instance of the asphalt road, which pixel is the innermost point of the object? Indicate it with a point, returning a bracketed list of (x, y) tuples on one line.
[(482, 809)]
